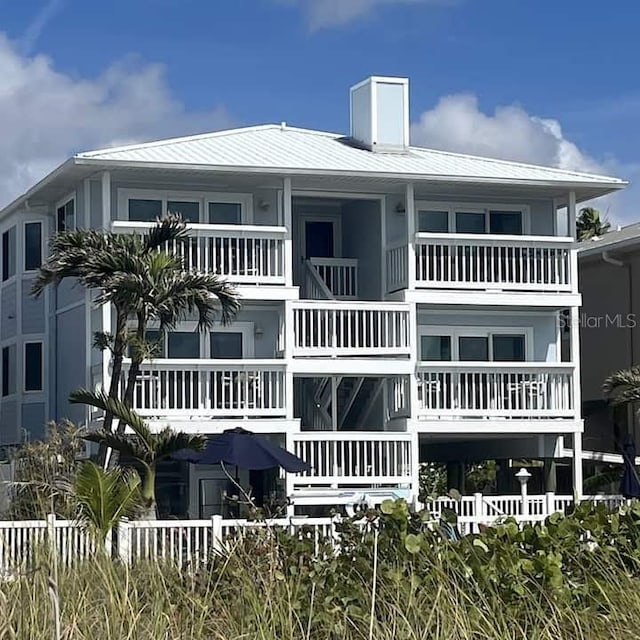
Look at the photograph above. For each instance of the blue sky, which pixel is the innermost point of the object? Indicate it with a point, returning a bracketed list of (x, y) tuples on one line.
[(549, 82)]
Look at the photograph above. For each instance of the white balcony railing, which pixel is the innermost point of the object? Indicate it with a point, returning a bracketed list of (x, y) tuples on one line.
[(351, 458), (340, 275), (495, 389), (470, 261), (350, 329), (217, 388), (247, 254), (504, 262)]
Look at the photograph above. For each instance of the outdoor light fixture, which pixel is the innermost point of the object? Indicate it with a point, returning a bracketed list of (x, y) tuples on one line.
[(263, 205), (400, 208)]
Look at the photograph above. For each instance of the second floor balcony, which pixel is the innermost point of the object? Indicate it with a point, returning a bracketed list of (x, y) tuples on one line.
[(211, 388), (485, 390)]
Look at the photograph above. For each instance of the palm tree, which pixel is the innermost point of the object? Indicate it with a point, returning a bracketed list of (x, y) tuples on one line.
[(103, 498), (145, 281), (143, 446), (623, 387), (589, 225)]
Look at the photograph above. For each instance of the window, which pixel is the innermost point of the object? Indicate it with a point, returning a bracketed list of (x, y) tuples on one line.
[(508, 348), (189, 211), (145, 210), (505, 222), (225, 213), (66, 216), (9, 370), (440, 217), (183, 344), (32, 245), (226, 344), (435, 347), (9, 254), (473, 348), (474, 344), (195, 207), (33, 366), (433, 221), (470, 222)]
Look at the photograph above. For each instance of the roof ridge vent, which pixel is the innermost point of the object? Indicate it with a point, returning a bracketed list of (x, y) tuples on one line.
[(380, 113)]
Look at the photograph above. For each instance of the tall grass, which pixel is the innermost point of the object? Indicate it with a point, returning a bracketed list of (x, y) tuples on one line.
[(275, 590)]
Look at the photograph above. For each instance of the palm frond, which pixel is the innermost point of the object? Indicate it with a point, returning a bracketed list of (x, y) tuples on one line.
[(105, 497), (126, 444), (169, 441), (117, 408), (171, 227), (623, 387)]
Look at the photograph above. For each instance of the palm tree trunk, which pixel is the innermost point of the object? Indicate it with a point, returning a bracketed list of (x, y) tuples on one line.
[(132, 376), (119, 346), (148, 492)]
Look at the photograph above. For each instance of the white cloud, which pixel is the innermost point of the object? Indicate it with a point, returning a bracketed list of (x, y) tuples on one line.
[(457, 123), (321, 14), (46, 115)]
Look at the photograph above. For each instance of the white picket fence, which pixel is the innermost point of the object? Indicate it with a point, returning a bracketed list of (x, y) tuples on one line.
[(193, 543)]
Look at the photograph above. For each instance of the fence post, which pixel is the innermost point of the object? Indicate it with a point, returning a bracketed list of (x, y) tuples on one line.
[(478, 510), (51, 531), (551, 503), (124, 541), (216, 532)]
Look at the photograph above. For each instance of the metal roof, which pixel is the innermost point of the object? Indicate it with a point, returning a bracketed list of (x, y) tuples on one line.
[(626, 237), (288, 149)]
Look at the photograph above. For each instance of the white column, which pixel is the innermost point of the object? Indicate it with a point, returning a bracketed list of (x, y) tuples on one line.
[(571, 214), (289, 337), (288, 241), (383, 247), (578, 489), (106, 200), (410, 207), (106, 308)]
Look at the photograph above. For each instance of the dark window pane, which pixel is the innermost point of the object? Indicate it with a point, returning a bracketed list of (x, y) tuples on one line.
[(435, 348), (505, 222), (226, 345), (433, 221), (469, 222), (8, 370), (189, 211), (145, 210), (9, 253), (473, 348), (33, 366), (507, 348), (32, 245), (183, 344), (65, 217), (225, 213)]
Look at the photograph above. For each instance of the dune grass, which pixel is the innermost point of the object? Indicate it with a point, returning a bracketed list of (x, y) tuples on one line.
[(275, 590)]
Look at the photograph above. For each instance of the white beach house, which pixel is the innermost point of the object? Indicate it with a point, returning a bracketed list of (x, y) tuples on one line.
[(400, 304)]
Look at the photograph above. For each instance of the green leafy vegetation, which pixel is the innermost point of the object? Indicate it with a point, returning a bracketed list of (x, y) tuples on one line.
[(575, 576)]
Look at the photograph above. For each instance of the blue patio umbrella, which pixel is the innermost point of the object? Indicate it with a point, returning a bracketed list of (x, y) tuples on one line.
[(630, 484), (246, 450)]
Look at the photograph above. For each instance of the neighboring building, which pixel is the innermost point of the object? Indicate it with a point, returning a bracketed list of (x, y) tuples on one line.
[(610, 333), (399, 304)]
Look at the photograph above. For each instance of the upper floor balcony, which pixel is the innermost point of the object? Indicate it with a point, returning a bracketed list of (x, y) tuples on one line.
[(243, 254), (482, 262)]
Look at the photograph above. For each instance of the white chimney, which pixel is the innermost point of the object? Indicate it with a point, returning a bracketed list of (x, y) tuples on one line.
[(380, 113)]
